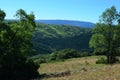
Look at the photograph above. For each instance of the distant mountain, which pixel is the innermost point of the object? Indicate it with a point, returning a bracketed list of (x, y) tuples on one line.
[(68, 22)]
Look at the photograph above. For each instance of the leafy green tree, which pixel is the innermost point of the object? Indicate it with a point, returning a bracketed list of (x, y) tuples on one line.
[(15, 44), (106, 36), (2, 15)]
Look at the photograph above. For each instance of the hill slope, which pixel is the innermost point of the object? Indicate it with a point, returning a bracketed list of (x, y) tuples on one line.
[(48, 38), (68, 22), (51, 37), (80, 69)]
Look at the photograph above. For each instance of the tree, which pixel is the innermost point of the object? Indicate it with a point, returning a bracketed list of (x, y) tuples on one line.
[(2, 15), (15, 44), (106, 36)]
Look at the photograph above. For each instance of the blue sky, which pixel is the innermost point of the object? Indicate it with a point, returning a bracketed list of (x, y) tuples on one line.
[(82, 10)]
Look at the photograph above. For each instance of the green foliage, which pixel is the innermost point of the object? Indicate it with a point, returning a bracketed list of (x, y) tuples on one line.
[(2, 15), (15, 44), (54, 55), (109, 16), (20, 68), (85, 54), (67, 53), (105, 38), (40, 58), (101, 60), (49, 38), (64, 54)]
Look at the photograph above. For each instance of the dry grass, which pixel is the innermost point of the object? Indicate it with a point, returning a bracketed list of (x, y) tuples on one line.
[(82, 69)]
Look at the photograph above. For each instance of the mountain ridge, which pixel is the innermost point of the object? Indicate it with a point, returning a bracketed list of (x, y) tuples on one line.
[(83, 24)]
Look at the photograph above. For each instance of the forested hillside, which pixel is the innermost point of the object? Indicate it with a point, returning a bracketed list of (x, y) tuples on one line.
[(48, 38)]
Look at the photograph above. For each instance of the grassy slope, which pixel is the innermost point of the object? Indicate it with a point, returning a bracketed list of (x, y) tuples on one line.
[(82, 69)]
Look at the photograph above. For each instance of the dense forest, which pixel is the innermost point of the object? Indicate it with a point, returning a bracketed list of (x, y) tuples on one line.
[(48, 38)]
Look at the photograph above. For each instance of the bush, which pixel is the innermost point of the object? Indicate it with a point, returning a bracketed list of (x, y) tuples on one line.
[(67, 53), (102, 60), (100, 53), (54, 55), (85, 54), (40, 60), (64, 54)]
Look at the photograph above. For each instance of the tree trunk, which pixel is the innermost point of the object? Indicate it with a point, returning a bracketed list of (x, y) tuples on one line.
[(110, 59)]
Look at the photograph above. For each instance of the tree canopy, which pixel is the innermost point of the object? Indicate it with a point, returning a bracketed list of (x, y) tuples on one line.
[(106, 38), (15, 43)]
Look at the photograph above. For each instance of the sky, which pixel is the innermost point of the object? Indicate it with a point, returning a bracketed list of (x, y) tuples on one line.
[(80, 10)]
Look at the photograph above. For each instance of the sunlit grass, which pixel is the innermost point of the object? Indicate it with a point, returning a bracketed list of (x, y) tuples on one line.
[(82, 69)]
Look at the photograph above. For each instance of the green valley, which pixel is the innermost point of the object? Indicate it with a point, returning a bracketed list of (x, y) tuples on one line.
[(48, 38)]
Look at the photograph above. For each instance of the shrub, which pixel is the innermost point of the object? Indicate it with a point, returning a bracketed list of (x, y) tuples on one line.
[(67, 53), (101, 60), (84, 54), (64, 54), (41, 60), (54, 55)]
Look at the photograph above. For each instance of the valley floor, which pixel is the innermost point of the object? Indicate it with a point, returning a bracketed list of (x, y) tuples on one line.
[(80, 69)]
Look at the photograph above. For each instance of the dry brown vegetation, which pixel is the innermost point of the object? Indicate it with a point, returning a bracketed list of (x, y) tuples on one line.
[(80, 69)]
